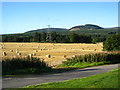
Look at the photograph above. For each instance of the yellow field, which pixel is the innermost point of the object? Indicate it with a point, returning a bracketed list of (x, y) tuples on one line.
[(57, 51)]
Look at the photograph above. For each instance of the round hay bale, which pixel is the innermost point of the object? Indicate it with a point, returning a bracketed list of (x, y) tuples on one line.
[(33, 54), (82, 48), (74, 56), (18, 53), (52, 47), (65, 56), (40, 49), (30, 55), (4, 53), (48, 56), (11, 50), (94, 50), (36, 50)]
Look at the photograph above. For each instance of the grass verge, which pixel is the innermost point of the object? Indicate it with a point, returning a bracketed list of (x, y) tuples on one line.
[(104, 80), (83, 64)]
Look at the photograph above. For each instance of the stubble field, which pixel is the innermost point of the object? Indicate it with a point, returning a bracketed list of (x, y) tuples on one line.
[(58, 51)]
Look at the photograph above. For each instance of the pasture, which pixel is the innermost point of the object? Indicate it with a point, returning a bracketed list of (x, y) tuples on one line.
[(52, 53)]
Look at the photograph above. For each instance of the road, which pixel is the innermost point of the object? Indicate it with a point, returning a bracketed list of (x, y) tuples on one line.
[(16, 82)]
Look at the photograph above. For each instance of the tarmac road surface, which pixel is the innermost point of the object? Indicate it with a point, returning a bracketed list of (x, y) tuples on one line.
[(20, 81)]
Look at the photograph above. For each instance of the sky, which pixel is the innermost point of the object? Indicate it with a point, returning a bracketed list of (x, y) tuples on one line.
[(19, 17)]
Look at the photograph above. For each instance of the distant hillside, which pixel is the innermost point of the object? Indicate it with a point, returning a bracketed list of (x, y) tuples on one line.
[(81, 29), (46, 29), (85, 27)]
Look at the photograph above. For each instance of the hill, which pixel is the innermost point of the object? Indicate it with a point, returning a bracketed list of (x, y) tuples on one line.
[(81, 29), (85, 27), (88, 29), (46, 29)]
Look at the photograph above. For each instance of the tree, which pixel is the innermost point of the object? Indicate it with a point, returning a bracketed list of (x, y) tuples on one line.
[(112, 43), (37, 37), (54, 36), (43, 37), (74, 37), (98, 39), (85, 39)]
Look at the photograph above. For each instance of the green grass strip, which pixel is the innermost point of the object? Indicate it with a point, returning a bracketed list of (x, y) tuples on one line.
[(104, 80)]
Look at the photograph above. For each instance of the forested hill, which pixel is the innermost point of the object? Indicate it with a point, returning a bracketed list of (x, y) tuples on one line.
[(81, 29), (75, 28), (46, 29), (88, 33), (85, 27)]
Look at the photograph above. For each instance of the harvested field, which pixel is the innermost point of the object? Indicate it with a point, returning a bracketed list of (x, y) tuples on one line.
[(58, 51)]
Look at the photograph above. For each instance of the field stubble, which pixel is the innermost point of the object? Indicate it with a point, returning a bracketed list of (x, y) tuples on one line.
[(58, 51)]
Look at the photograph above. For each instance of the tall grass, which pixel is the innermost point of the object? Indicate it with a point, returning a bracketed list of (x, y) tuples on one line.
[(94, 58), (23, 65)]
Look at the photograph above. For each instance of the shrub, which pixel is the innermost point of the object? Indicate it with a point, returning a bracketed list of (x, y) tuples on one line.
[(13, 65), (91, 58)]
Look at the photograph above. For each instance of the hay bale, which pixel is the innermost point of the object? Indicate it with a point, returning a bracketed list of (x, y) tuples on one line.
[(30, 55), (40, 49), (82, 48), (65, 56), (74, 56), (33, 54), (36, 50), (94, 50), (44, 49), (11, 50), (48, 56), (16, 49), (52, 47), (4, 53), (18, 53)]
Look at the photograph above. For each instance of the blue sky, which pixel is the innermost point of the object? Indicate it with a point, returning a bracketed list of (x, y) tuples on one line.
[(19, 17)]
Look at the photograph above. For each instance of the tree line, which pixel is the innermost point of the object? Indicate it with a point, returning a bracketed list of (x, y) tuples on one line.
[(110, 43), (41, 37)]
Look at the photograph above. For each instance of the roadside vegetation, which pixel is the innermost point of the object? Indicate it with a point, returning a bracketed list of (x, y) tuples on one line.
[(92, 60), (13, 66), (104, 80)]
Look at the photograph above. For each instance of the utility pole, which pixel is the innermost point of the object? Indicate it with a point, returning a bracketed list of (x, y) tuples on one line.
[(48, 37)]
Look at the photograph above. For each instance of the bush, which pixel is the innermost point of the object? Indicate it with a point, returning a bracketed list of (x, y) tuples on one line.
[(91, 58), (23, 65), (112, 43)]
